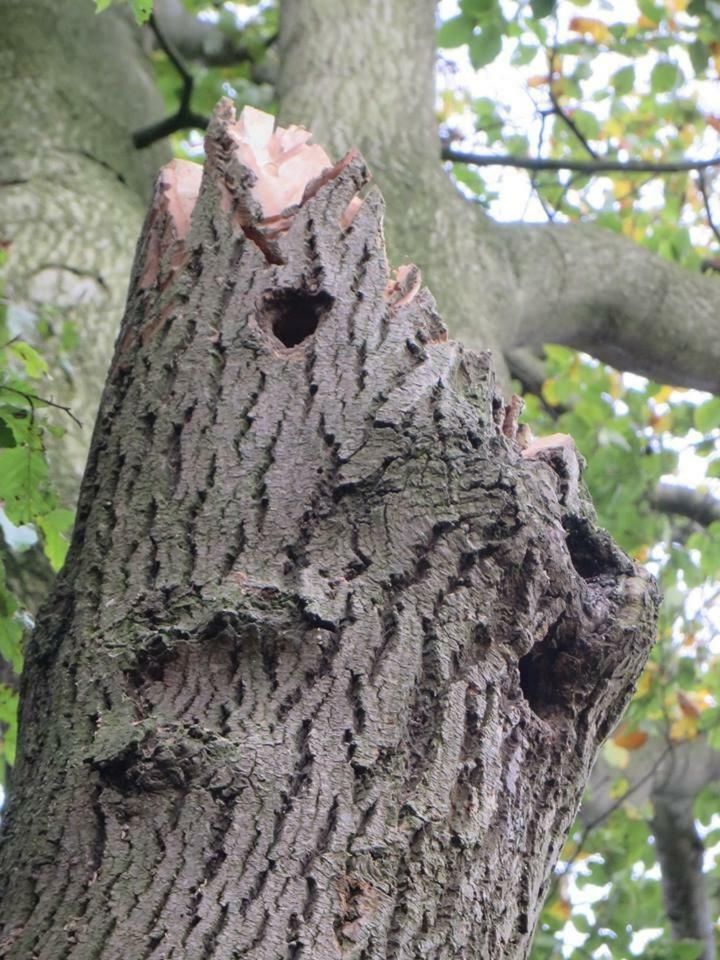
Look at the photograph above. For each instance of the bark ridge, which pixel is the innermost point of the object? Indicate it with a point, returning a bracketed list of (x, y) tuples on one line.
[(330, 659)]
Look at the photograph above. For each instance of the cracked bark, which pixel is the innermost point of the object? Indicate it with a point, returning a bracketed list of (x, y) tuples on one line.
[(331, 659)]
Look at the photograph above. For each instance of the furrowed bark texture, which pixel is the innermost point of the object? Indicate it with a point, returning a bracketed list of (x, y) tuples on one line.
[(330, 659)]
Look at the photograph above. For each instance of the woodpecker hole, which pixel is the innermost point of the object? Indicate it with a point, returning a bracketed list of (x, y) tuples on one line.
[(292, 316)]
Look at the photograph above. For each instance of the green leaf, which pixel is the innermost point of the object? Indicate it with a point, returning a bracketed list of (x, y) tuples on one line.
[(101, 5), (665, 76), (476, 8), (707, 415), (486, 45), (542, 8), (53, 525), (677, 950), (35, 365), (623, 80), (523, 54), (455, 32), (142, 9), (648, 9), (23, 475), (699, 56), (11, 642)]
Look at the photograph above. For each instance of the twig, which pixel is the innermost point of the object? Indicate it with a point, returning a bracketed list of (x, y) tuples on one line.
[(588, 829), (601, 165), (184, 117), (33, 397), (558, 110), (706, 202), (550, 214)]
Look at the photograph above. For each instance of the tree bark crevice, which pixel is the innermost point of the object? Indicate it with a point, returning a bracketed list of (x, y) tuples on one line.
[(331, 656)]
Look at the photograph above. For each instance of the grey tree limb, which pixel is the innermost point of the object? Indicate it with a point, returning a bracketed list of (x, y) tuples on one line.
[(680, 852), (591, 289), (697, 505), (669, 775)]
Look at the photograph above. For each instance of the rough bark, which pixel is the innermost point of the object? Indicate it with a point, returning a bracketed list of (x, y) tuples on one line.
[(331, 658)]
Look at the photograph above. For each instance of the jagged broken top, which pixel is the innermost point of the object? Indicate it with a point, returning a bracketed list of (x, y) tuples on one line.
[(283, 160), (264, 175)]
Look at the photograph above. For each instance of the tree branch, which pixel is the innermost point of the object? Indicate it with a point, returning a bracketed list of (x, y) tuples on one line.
[(594, 290), (601, 165), (703, 508), (184, 118), (680, 852), (566, 118)]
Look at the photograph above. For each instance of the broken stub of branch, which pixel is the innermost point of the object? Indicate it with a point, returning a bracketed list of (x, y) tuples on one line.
[(318, 601)]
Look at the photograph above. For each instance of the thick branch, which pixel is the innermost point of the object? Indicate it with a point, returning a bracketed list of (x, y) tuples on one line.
[(670, 776), (680, 852), (591, 289), (358, 79), (701, 507)]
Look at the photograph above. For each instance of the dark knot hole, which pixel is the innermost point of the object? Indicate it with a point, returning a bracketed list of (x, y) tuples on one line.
[(292, 316)]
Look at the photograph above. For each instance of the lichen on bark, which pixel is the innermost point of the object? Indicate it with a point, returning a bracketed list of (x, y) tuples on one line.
[(330, 659)]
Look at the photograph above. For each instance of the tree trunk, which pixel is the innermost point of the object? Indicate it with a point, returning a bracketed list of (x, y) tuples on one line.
[(73, 189), (332, 656)]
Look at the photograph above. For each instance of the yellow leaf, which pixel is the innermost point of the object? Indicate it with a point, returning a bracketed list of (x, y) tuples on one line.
[(619, 788), (660, 424), (693, 702), (646, 680), (560, 909), (663, 394), (613, 127), (621, 188), (686, 136), (677, 6), (628, 227), (715, 52), (641, 554), (630, 739), (596, 28), (686, 728), (646, 22), (616, 385)]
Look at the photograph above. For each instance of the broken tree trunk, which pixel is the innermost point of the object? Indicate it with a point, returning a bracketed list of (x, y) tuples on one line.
[(331, 656)]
